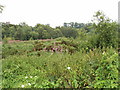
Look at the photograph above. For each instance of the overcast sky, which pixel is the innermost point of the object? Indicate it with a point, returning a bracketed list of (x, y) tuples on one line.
[(56, 12)]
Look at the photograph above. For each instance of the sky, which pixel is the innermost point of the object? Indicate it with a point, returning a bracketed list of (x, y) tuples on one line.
[(56, 12)]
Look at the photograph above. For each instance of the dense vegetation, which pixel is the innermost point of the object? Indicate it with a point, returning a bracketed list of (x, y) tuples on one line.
[(75, 55), (25, 32)]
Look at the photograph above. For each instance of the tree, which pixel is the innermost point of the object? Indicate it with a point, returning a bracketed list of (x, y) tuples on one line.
[(38, 28), (25, 31), (18, 33), (106, 30), (56, 33), (12, 31), (34, 35), (69, 32), (45, 35)]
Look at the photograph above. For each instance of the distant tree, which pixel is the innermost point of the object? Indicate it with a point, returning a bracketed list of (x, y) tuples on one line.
[(76, 25), (65, 25), (45, 34), (39, 29), (5, 30), (69, 32), (26, 31), (12, 30), (56, 33), (34, 35), (18, 33)]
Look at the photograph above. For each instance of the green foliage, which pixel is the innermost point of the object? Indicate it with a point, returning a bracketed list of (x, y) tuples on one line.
[(106, 30), (107, 72), (5, 41), (69, 32), (42, 69)]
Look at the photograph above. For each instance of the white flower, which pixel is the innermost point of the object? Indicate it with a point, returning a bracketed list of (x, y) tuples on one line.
[(35, 76), (30, 76), (103, 53), (26, 77), (29, 83), (22, 86), (68, 67)]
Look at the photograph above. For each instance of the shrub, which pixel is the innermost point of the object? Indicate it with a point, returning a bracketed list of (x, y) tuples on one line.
[(107, 72)]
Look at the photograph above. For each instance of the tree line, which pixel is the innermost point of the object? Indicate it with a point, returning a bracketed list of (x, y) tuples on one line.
[(40, 31), (101, 32)]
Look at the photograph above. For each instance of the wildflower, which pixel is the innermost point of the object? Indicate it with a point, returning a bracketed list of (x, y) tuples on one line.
[(29, 83), (26, 77), (103, 53), (68, 67), (30, 76), (35, 76), (22, 86)]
